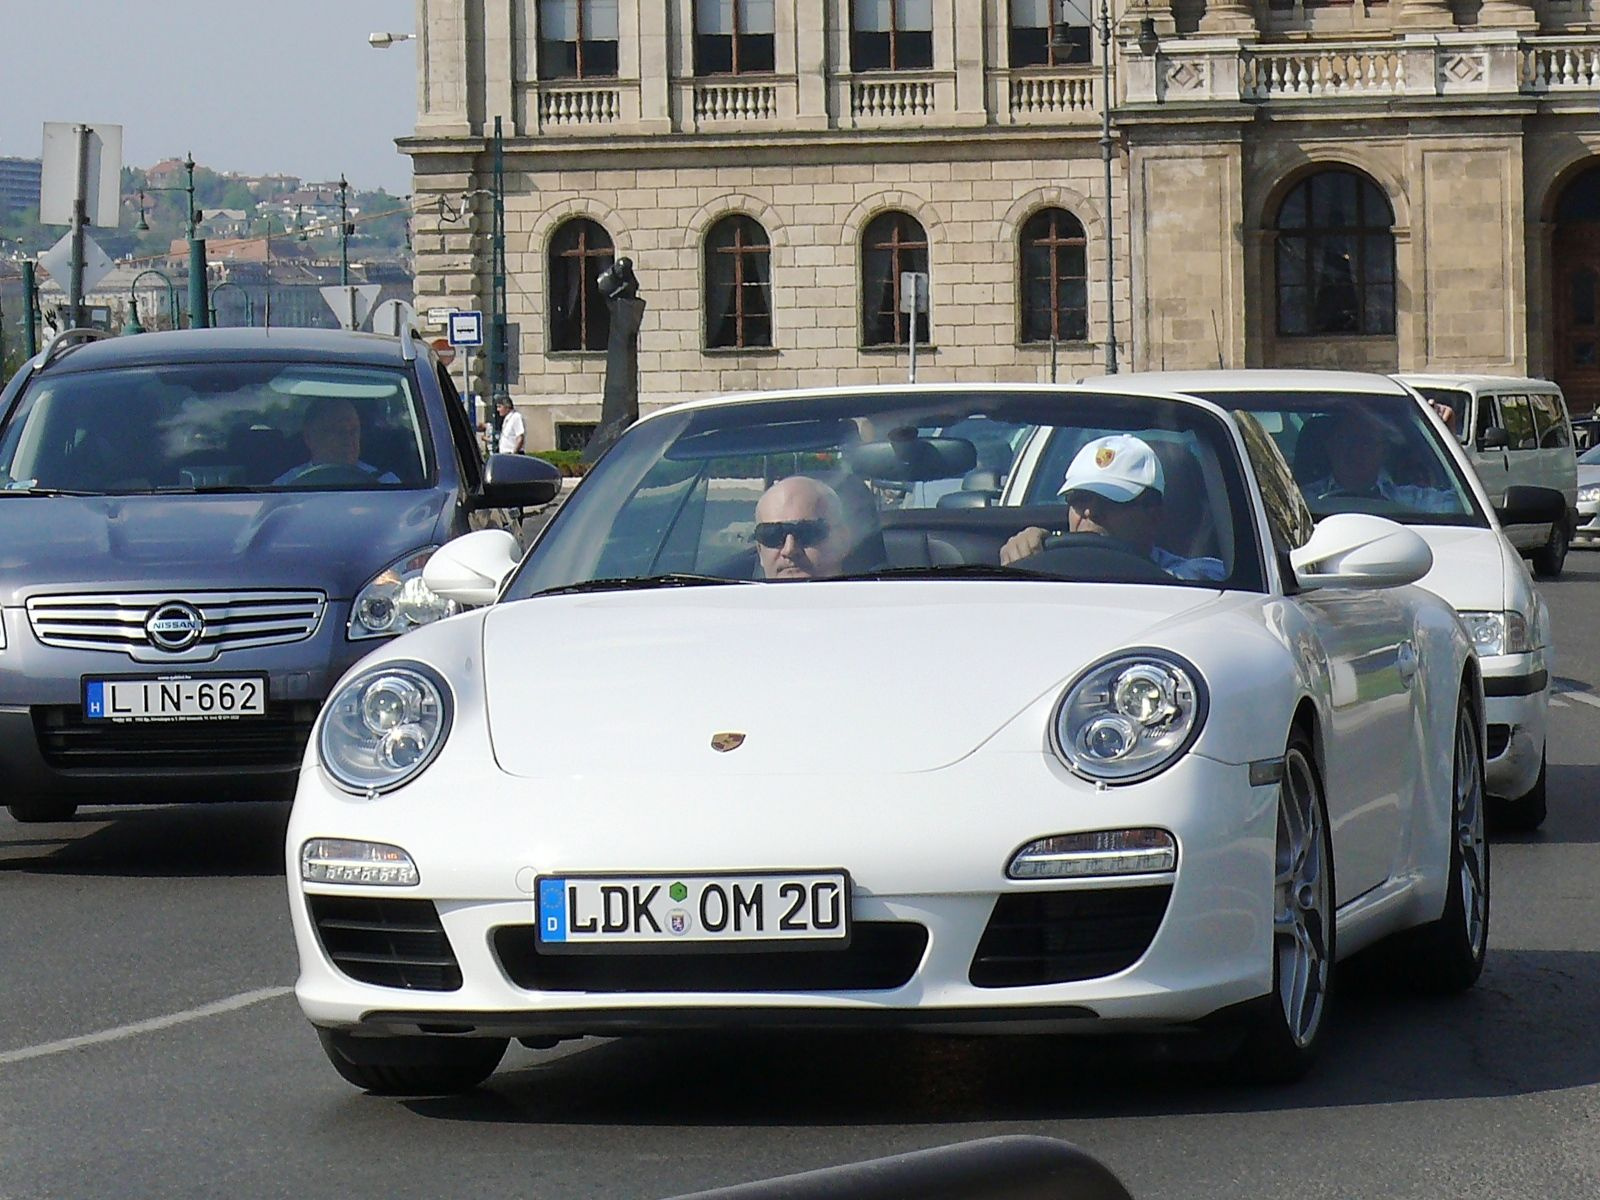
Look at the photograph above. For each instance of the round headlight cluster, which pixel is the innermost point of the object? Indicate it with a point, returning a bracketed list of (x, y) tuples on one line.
[(396, 600), (384, 726), (1130, 716)]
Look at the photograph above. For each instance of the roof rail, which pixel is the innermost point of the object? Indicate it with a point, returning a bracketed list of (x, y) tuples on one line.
[(408, 352), (65, 340)]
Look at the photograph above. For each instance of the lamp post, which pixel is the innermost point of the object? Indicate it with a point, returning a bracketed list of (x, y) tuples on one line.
[(249, 307), (198, 307), (344, 232), (1105, 155), (383, 41), (133, 325)]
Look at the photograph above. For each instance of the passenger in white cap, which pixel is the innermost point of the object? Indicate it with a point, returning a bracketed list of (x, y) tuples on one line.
[(1115, 487)]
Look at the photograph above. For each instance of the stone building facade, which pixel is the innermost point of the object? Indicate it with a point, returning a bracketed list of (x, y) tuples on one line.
[(1401, 185)]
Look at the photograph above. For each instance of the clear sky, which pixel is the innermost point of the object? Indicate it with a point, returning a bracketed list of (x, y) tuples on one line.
[(289, 86)]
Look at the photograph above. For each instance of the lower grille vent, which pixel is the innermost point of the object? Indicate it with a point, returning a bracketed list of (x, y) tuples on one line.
[(391, 943), (1057, 937)]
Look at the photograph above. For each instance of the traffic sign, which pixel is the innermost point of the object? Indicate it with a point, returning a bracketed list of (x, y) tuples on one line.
[(913, 291), (393, 317), (466, 328), (438, 318), (351, 302), (58, 175), (58, 261), (443, 351)]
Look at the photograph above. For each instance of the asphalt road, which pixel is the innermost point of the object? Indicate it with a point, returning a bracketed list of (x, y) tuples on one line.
[(149, 1046)]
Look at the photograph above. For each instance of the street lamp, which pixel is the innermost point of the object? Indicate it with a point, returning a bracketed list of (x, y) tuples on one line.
[(197, 246), (384, 40), (344, 231), (133, 325), (249, 306)]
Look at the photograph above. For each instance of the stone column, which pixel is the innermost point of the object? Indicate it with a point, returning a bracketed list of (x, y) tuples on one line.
[(1235, 17), (1508, 14), (444, 73), (1424, 14)]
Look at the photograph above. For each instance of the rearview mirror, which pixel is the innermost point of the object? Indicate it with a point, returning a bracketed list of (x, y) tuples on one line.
[(471, 569), (519, 481), (1493, 438), (1361, 550), (1528, 505)]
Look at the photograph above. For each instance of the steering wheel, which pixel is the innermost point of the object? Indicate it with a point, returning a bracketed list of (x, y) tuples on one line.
[(333, 474), (1095, 556)]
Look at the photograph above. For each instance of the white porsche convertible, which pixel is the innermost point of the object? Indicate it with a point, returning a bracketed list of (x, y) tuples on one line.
[(794, 716)]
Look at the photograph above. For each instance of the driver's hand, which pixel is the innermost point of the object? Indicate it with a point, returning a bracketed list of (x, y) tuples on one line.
[(1023, 545)]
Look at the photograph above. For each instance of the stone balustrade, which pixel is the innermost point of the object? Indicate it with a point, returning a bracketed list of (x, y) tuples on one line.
[(1032, 98), (568, 107)]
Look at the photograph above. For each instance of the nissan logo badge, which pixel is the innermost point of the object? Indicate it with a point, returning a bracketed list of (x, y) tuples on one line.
[(174, 626)]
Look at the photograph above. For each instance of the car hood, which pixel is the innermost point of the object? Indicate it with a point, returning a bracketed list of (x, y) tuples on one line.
[(1471, 567), (820, 678), (334, 541)]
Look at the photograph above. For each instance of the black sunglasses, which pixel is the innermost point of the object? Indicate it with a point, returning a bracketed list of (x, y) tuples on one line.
[(772, 534)]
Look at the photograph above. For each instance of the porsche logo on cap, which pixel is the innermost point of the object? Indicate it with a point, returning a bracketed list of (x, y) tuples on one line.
[(1104, 457), (723, 742)]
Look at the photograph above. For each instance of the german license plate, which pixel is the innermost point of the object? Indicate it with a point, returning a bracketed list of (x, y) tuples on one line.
[(174, 698), (580, 912)]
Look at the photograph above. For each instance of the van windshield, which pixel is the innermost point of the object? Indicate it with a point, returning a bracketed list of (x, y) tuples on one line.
[(215, 427), (1360, 452), (1452, 401)]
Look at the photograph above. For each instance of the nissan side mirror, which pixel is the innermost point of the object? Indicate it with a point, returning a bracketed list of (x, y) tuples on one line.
[(519, 481)]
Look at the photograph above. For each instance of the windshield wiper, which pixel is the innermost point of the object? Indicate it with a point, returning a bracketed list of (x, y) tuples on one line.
[(948, 571), (628, 583), (206, 489), (44, 491)]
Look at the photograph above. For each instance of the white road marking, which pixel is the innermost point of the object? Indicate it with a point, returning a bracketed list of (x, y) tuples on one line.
[(1582, 698), (215, 1008), (1558, 702)]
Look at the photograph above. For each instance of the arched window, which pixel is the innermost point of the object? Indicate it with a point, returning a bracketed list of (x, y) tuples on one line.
[(579, 319), (738, 284), (1335, 257), (1055, 289), (892, 244)]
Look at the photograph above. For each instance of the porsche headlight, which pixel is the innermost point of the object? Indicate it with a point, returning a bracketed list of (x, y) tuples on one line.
[(395, 600), (1129, 717), (384, 726), (1498, 633)]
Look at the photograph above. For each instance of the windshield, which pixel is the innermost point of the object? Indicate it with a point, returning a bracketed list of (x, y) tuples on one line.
[(236, 427), (923, 484), (1590, 456), (1363, 452), (1452, 405)]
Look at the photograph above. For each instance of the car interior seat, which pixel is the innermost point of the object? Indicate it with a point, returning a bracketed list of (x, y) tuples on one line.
[(1188, 523), (1312, 460), (263, 452)]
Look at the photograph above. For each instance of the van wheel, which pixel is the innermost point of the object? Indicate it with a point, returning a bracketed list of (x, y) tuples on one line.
[(39, 810), (1549, 558)]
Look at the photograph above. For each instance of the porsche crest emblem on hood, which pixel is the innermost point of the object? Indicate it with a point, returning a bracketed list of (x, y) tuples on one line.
[(723, 742)]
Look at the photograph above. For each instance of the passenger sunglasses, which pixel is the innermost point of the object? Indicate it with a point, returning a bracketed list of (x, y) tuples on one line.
[(772, 534)]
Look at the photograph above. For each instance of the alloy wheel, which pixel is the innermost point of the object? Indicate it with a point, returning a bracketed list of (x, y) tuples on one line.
[(1302, 903)]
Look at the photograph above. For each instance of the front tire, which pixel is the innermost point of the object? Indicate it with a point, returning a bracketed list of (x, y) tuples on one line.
[(1550, 558), (1283, 1044), (38, 810), (412, 1066), (1447, 954)]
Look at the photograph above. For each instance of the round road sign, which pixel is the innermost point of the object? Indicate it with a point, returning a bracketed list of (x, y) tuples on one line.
[(445, 352)]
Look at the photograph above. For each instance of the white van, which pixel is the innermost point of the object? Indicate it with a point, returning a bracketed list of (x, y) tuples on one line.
[(1515, 431)]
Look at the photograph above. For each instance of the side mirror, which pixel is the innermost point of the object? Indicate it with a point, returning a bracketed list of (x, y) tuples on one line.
[(1526, 505), (519, 481), (1493, 438), (471, 569), (1360, 550)]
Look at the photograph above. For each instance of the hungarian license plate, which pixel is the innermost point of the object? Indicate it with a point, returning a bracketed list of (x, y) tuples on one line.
[(174, 698), (580, 912)]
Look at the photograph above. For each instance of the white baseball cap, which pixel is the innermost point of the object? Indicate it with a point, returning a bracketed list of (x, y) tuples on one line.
[(1119, 467)]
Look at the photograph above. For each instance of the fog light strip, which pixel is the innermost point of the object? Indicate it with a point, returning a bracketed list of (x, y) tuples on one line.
[(1092, 862)]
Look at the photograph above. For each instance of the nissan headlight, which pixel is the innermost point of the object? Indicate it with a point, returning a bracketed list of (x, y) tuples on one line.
[(396, 600), (1130, 717), (384, 727), (1589, 493), (1497, 633)]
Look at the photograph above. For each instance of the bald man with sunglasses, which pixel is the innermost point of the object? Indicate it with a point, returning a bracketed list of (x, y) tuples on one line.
[(800, 530)]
